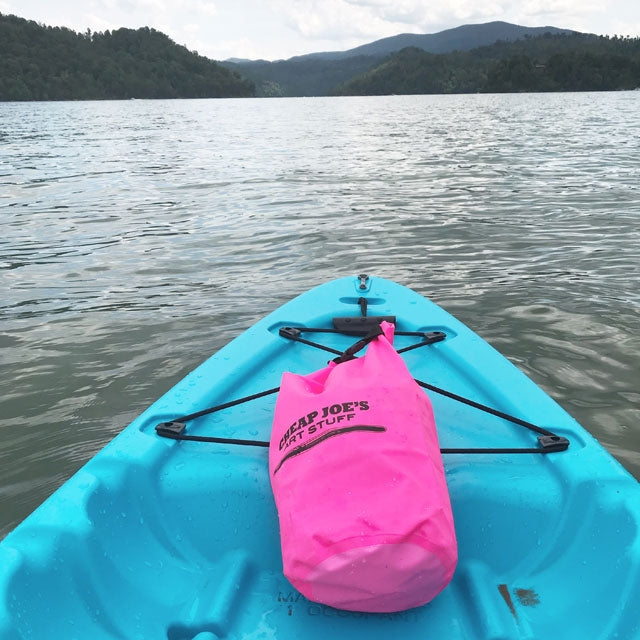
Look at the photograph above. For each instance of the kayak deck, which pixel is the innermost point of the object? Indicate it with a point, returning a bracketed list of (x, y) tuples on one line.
[(155, 538)]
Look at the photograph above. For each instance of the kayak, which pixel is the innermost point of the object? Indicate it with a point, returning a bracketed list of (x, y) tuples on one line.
[(167, 537)]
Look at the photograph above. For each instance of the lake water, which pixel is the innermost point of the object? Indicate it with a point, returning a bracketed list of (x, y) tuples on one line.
[(138, 237)]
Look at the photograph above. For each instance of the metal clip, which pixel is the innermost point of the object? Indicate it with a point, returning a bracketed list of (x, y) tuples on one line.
[(170, 429), (434, 336), (551, 444), (291, 333)]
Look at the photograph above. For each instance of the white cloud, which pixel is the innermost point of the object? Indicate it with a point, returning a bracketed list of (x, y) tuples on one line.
[(328, 19), (96, 23), (403, 11), (347, 21), (235, 48), (623, 28), (177, 7), (559, 7), (274, 29)]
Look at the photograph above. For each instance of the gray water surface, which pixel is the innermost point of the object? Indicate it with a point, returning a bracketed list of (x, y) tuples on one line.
[(140, 236)]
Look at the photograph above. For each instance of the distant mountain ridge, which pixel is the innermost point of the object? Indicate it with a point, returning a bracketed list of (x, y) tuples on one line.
[(576, 62), (55, 63), (317, 74), (463, 38)]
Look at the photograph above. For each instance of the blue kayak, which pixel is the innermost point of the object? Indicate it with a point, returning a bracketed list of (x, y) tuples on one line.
[(161, 538)]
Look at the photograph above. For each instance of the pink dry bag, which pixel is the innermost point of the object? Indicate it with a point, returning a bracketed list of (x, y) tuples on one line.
[(358, 480)]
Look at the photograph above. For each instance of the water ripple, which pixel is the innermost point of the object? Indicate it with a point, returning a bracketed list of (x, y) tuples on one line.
[(138, 237)]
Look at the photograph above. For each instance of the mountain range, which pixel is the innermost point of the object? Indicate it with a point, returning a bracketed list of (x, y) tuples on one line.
[(53, 63), (318, 73), (463, 38)]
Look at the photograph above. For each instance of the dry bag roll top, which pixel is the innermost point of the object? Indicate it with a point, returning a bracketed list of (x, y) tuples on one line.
[(358, 480)]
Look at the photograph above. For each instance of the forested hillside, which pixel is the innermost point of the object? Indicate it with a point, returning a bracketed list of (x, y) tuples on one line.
[(576, 62), (55, 63), (301, 76), (316, 74)]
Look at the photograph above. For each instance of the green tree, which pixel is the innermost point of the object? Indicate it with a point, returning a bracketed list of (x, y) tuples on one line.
[(54, 63)]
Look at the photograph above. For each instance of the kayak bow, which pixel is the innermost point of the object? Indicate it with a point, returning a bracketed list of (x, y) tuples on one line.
[(160, 538)]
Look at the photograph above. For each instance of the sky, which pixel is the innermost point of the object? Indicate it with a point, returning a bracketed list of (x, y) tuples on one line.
[(277, 29)]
